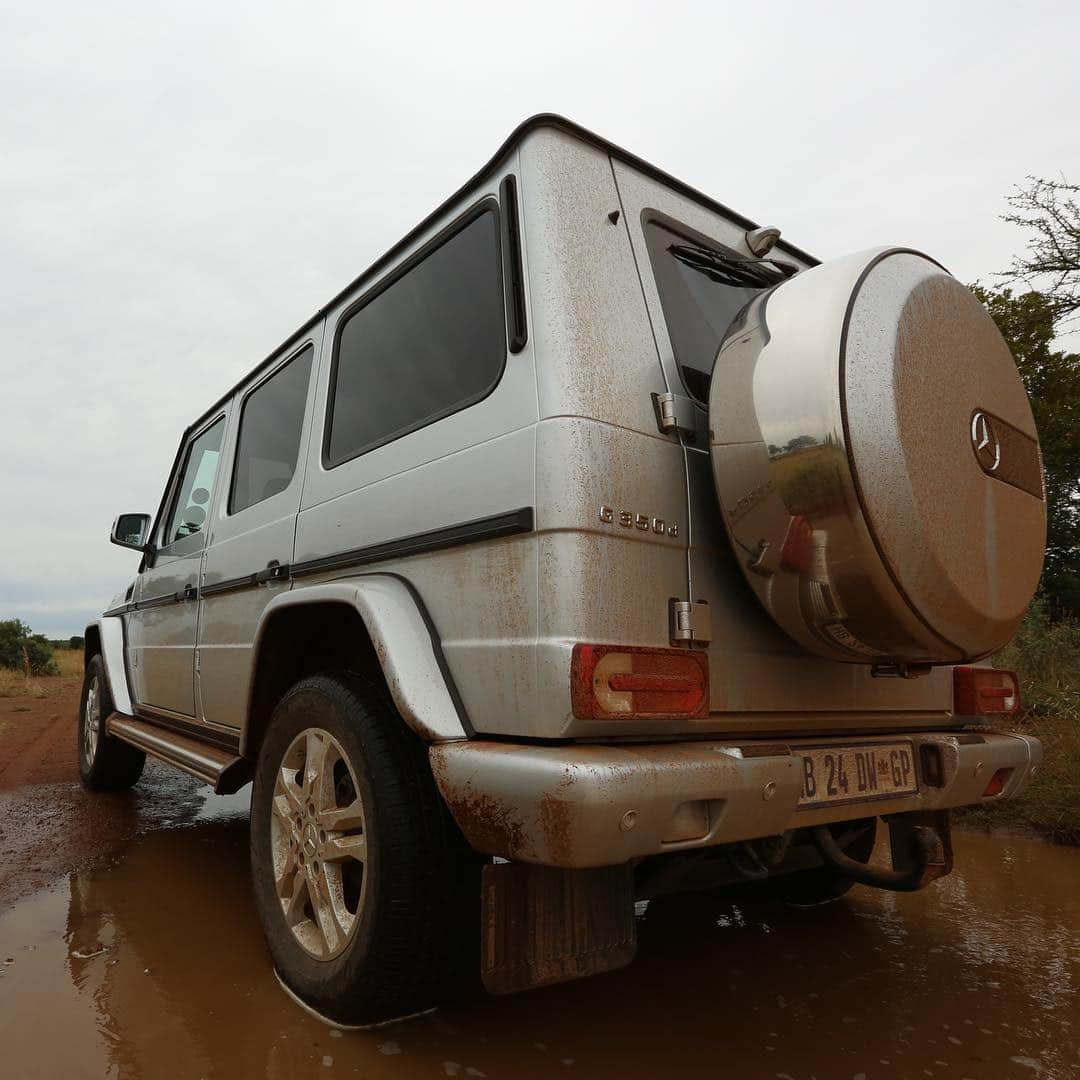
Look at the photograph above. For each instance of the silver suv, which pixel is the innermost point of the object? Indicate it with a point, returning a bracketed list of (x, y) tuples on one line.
[(594, 545)]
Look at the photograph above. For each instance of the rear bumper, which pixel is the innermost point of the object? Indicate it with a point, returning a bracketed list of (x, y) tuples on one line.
[(582, 806)]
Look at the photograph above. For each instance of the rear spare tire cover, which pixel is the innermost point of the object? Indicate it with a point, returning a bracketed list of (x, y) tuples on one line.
[(877, 463)]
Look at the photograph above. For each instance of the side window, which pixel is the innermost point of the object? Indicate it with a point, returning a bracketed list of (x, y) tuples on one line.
[(191, 503), (430, 343), (271, 420), (702, 288)]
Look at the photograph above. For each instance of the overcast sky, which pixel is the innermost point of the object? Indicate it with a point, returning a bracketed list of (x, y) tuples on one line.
[(181, 187)]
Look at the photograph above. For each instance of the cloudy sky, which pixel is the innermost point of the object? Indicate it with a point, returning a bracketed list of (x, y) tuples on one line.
[(180, 188)]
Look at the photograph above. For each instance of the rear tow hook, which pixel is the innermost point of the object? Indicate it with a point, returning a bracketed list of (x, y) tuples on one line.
[(929, 856)]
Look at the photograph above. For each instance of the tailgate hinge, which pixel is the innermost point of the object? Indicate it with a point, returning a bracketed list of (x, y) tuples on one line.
[(690, 623), (674, 413)]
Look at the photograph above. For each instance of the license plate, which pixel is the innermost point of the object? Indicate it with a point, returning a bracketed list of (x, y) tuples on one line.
[(847, 774)]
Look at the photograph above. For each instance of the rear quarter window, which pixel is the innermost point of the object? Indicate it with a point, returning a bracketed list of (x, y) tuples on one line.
[(702, 288), (428, 344)]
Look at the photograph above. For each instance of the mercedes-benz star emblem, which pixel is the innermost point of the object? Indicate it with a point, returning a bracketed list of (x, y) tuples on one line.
[(985, 441)]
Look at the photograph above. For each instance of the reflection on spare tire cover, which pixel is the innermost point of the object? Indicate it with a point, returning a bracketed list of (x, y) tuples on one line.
[(870, 521)]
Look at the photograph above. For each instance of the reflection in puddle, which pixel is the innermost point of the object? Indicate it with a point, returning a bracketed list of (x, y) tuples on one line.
[(156, 967)]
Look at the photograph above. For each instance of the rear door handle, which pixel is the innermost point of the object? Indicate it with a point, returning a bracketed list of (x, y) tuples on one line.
[(275, 571), (188, 592)]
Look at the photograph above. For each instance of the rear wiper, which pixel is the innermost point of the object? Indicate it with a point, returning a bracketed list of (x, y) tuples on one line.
[(731, 269)]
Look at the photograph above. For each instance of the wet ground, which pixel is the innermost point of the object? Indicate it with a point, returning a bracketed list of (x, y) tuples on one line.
[(143, 958), (152, 965), (50, 826)]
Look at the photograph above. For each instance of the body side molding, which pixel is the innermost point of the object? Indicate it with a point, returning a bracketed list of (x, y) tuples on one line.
[(466, 532), (477, 531)]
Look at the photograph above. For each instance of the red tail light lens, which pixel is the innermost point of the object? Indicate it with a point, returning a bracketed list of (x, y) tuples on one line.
[(984, 691), (620, 682)]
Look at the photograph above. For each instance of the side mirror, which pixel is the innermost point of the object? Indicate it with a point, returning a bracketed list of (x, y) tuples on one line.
[(131, 531)]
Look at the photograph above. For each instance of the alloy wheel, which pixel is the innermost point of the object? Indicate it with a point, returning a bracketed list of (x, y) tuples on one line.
[(91, 720), (319, 844)]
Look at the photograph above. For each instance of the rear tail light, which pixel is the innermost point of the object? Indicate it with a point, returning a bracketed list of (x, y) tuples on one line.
[(984, 691), (628, 683)]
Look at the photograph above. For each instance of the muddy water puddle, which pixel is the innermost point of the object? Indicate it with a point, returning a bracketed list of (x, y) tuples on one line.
[(154, 967)]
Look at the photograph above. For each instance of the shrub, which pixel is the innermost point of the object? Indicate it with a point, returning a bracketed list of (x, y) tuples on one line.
[(25, 651), (1046, 655)]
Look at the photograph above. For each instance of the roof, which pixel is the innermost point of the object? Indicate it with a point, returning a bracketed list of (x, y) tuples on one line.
[(533, 123)]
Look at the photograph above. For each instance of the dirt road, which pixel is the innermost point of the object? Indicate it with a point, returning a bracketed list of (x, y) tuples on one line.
[(129, 948), (50, 826)]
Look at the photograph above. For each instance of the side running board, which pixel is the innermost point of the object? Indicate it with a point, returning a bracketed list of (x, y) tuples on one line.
[(224, 770)]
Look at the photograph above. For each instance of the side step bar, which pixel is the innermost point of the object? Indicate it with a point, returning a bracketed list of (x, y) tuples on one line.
[(224, 770)]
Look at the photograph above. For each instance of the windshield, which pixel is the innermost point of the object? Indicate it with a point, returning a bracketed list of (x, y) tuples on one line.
[(701, 289)]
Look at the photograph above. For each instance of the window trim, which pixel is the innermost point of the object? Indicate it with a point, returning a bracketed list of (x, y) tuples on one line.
[(517, 324), (488, 205), (691, 235), (241, 405), (174, 487)]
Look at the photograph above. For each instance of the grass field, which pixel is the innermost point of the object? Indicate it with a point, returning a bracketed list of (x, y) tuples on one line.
[(16, 684), (1051, 805)]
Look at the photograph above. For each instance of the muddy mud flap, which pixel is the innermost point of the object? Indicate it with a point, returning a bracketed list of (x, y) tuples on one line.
[(542, 925)]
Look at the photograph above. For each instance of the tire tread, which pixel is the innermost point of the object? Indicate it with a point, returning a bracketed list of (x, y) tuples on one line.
[(117, 765), (423, 886)]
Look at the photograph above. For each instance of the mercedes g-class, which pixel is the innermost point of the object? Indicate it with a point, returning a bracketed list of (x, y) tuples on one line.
[(594, 545)]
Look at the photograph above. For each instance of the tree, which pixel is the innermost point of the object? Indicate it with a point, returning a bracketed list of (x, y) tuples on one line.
[(1052, 379), (1049, 210), (24, 650)]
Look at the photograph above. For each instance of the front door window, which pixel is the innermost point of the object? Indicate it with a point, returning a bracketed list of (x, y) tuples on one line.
[(191, 504)]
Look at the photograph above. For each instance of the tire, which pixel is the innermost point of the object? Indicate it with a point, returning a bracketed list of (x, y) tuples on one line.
[(823, 884), (105, 763), (397, 888)]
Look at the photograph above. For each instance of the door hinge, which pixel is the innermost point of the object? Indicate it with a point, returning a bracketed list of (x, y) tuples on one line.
[(198, 662), (690, 623), (675, 413)]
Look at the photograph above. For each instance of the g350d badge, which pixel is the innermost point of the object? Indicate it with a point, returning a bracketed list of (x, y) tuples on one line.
[(628, 519)]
